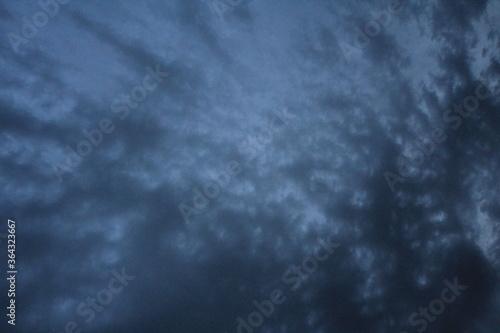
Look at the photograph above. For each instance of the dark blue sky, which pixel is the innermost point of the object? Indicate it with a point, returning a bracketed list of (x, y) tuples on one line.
[(251, 166)]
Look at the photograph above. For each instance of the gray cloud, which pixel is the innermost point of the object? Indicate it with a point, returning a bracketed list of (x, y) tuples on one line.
[(322, 174)]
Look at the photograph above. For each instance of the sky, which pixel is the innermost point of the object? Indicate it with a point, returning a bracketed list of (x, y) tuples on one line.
[(251, 166)]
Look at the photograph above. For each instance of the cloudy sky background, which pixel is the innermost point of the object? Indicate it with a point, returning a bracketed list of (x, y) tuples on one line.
[(321, 175)]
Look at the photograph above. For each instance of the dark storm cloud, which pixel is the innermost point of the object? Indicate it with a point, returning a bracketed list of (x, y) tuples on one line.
[(321, 175)]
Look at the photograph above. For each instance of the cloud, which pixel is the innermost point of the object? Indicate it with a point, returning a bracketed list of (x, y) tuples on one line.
[(321, 175)]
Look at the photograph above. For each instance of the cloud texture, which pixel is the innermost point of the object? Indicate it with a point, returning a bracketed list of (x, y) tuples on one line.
[(327, 118)]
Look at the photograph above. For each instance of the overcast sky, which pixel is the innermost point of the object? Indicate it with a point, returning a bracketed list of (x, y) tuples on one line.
[(181, 156)]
